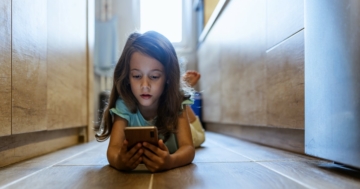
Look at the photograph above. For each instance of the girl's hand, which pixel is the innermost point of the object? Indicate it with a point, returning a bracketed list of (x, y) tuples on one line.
[(129, 160), (156, 158)]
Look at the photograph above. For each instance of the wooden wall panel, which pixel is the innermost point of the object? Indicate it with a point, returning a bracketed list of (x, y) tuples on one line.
[(284, 18), (285, 83), (29, 86), (67, 66), (229, 65), (16, 148), (210, 82), (5, 67), (237, 80), (283, 138), (251, 55)]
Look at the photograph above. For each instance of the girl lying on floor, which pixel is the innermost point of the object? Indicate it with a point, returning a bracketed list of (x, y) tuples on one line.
[(147, 91)]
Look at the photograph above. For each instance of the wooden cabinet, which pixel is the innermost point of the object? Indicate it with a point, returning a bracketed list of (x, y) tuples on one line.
[(243, 66), (231, 61), (285, 83), (29, 67), (43, 65), (45, 90), (5, 67), (66, 63), (285, 64), (209, 54), (252, 65)]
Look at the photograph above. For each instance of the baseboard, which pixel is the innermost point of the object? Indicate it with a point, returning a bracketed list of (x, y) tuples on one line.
[(16, 148), (282, 138)]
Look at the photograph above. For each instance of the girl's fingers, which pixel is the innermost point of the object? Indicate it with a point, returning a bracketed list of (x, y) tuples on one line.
[(155, 157), (157, 150), (136, 163), (155, 153), (151, 147), (162, 146), (133, 150), (149, 154), (124, 147), (131, 156), (149, 164), (136, 157)]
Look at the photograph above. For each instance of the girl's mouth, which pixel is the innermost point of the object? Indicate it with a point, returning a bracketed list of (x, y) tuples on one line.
[(145, 96)]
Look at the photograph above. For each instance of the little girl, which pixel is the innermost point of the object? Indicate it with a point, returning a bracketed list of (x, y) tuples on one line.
[(147, 91)]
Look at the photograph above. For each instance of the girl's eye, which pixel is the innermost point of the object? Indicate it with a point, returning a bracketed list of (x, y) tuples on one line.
[(154, 77), (136, 76)]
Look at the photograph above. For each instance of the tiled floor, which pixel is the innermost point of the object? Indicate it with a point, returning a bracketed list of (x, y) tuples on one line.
[(222, 162)]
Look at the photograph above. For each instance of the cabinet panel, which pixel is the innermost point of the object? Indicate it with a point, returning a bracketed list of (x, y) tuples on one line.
[(232, 64), (209, 67), (242, 63), (229, 63), (5, 67), (29, 85), (285, 83), (67, 78), (284, 18)]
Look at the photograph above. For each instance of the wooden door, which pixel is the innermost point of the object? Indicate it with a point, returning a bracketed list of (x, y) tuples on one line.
[(67, 66), (5, 67), (29, 70)]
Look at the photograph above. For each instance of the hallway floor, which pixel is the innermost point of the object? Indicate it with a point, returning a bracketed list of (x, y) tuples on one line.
[(222, 162)]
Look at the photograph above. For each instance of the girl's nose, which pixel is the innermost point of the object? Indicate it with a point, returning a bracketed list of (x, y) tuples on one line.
[(145, 83)]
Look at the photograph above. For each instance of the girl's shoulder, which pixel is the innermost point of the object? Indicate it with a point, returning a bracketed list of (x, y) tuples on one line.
[(120, 109), (186, 102), (120, 105)]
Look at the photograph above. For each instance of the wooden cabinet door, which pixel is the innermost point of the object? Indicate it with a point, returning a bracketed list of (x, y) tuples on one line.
[(5, 67), (29, 71), (67, 66), (233, 60), (285, 83)]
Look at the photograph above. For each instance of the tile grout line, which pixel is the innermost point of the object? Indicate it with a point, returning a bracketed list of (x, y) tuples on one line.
[(151, 181), (274, 160), (27, 176), (303, 184)]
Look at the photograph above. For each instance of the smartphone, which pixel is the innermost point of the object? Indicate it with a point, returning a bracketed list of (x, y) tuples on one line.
[(136, 135)]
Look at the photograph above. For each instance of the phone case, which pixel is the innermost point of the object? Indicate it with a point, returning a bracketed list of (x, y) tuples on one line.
[(136, 135)]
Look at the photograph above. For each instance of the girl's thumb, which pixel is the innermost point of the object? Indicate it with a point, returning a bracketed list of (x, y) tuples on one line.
[(162, 145)]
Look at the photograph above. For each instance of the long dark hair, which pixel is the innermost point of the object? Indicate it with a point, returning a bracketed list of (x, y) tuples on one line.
[(160, 48)]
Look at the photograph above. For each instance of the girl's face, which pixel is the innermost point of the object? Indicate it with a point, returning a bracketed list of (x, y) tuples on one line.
[(147, 80)]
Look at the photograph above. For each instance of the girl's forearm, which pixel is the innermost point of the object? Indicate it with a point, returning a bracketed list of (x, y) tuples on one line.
[(182, 156), (113, 158)]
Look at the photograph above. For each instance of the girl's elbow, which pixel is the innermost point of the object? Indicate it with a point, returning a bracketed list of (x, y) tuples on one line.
[(192, 153), (112, 158)]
